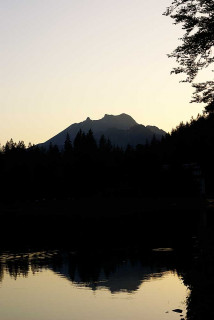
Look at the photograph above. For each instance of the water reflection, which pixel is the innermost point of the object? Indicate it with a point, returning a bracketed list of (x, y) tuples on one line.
[(125, 276), (115, 273), (63, 285)]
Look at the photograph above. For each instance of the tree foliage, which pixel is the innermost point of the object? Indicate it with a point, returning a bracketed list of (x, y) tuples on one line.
[(196, 50)]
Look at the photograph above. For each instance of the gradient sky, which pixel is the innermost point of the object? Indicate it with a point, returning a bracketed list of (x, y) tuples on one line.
[(62, 61)]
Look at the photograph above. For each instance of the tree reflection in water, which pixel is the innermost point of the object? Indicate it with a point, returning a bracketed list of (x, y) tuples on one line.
[(115, 272)]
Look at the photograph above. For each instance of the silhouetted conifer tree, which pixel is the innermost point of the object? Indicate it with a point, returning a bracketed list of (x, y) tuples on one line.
[(68, 148), (90, 142), (154, 141), (104, 144), (21, 145), (79, 141), (109, 145), (9, 146)]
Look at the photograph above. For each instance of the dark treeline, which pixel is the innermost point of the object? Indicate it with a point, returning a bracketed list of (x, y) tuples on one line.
[(89, 191), (170, 167)]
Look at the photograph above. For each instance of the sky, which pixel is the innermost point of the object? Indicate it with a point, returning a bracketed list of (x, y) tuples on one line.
[(63, 61)]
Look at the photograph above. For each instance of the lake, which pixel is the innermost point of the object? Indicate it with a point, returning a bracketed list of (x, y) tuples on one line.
[(62, 285)]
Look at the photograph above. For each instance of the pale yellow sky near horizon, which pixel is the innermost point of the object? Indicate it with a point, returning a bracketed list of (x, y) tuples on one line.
[(63, 61)]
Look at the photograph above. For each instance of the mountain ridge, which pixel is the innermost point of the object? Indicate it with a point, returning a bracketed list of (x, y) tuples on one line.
[(121, 129)]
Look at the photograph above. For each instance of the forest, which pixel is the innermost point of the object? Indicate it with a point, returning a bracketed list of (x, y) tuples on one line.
[(123, 197), (177, 165)]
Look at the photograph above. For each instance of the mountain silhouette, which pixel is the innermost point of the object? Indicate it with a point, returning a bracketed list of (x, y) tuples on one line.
[(120, 129)]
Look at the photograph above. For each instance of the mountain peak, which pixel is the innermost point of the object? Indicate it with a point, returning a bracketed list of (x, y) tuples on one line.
[(122, 121), (121, 129)]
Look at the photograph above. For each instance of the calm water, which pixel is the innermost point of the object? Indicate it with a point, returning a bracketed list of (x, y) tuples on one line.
[(61, 286)]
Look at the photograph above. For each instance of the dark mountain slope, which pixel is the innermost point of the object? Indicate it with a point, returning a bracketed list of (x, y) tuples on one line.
[(121, 130)]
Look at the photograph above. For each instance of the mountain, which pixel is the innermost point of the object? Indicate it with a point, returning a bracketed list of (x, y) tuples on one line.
[(120, 129)]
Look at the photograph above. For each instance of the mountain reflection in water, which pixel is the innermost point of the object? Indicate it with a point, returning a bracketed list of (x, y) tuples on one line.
[(53, 285), (115, 273)]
